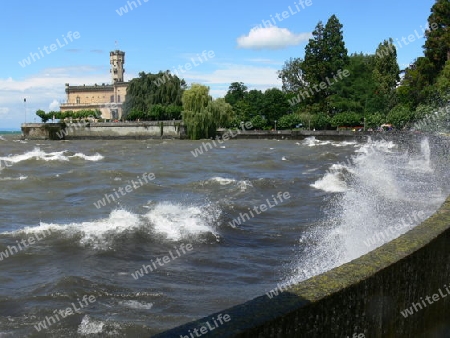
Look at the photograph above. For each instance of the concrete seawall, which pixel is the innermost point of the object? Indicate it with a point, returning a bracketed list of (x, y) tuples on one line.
[(163, 129), (82, 130), (365, 296)]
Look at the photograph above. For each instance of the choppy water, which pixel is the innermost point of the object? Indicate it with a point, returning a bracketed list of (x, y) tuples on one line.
[(200, 213)]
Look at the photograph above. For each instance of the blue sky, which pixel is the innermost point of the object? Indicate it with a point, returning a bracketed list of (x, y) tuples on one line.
[(161, 35)]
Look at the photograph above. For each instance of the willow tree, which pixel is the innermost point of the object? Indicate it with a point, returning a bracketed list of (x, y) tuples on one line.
[(202, 115), (150, 92)]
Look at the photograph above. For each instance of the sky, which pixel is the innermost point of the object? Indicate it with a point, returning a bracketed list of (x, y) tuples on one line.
[(49, 43)]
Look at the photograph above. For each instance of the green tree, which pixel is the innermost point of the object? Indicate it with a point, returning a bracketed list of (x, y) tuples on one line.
[(386, 75), (346, 119), (255, 100), (325, 55), (415, 87), (443, 82), (400, 116), (292, 76), (44, 117), (275, 105), (289, 121), (202, 115), (148, 90), (355, 93), (437, 44), (258, 122), (236, 92), (320, 121)]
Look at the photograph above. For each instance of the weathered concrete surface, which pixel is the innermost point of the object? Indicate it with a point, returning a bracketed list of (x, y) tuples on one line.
[(362, 296), (40, 131), (81, 130), (139, 130)]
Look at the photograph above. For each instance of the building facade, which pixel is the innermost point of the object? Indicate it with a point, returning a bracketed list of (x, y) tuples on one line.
[(108, 98)]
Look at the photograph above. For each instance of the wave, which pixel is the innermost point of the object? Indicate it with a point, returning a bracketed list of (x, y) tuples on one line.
[(176, 221), (243, 185), (89, 326), (379, 187), (172, 221), (313, 142), (222, 180), (332, 182), (98, 234), (93, 158), (39, 154), (135, 304), (20, 178)]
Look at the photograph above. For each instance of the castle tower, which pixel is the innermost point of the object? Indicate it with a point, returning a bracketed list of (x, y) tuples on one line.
[(117, 60)]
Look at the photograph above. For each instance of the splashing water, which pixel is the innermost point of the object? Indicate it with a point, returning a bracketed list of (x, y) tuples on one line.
[(383, 186)]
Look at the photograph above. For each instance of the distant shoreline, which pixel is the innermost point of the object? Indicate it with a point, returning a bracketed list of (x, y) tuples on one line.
[(12, 131)]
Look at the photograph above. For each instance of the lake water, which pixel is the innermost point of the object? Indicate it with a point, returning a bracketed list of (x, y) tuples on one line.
[(130, 238)]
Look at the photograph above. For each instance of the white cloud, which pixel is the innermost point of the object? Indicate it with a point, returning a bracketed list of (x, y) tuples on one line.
[(54, 106), (3, 112), (271, 38), (254, 77), (40, 89)]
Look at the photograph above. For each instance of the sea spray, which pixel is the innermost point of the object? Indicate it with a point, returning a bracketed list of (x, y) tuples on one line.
[(382, 187)]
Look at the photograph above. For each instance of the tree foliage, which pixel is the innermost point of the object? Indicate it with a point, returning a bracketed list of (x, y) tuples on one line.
[(77, 115), (386, 74), (154, 97), (292, 75), (325, 55), (437, 44), (201, 114)]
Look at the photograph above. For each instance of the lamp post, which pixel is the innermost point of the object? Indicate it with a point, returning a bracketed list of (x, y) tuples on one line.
[(275, 125), (25, 108)]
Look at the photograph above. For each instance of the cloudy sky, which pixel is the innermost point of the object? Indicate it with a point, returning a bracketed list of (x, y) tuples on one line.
[(49, 43)]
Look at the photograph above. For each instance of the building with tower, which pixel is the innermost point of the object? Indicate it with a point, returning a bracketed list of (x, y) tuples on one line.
[(108, 98)]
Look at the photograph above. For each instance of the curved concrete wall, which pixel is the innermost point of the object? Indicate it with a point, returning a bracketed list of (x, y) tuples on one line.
[(363, 298)]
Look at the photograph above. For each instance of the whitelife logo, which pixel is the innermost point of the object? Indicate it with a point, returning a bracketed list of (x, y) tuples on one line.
[(109, 198), (146, 269), (208, 328), (53, 47), (243, 217), (69, 311)]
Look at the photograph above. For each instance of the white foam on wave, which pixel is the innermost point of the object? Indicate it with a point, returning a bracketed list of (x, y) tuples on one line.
[(90, 326), (99, 234), (422, 162), (312, 142), (243, 185), (93, 158), (2, 138), (334, 179), (332, 182), (378, 195), (222, 180), (39, 154), (176, 221), (344, 143), (20, 178), (135, 304)]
